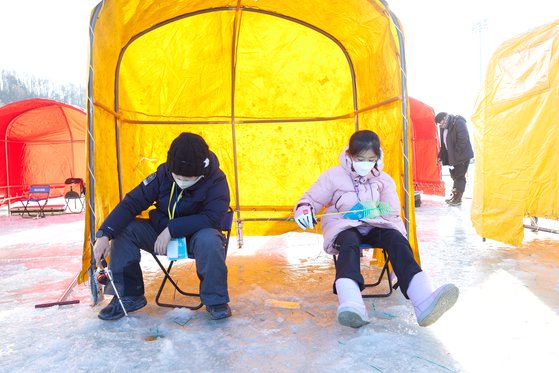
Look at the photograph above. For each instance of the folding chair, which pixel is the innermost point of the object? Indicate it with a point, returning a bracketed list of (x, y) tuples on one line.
[(37, 193), (226, 229), (384, 272), (74, 189)]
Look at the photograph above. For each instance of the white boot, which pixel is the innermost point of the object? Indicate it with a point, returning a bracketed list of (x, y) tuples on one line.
[(351, 311), (430, 304)]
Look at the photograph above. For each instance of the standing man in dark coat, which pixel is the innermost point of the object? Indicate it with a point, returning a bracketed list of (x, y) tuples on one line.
[(191, 197), (455, 152)]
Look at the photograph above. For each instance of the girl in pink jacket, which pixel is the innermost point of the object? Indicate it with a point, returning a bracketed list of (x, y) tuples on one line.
[(362, 206)]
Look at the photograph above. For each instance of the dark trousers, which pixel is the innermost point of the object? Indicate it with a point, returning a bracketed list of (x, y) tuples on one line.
[(458, 174), (400, 254), (206, 246)]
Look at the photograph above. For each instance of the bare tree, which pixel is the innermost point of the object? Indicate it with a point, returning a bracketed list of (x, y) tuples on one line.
[(16, 87)]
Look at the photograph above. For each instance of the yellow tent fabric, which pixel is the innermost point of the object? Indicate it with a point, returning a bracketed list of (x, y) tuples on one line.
[(516, 136), (275, 87)]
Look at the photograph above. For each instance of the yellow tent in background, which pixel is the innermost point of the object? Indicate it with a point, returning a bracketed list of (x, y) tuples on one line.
[(516, 132), (275, 87)]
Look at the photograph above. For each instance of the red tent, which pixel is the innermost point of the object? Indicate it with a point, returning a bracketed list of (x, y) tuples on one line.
[(42, 142), (426, 169)]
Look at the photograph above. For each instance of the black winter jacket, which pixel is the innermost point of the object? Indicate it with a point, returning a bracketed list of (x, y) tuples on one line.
[(202, 205), (458, 148)]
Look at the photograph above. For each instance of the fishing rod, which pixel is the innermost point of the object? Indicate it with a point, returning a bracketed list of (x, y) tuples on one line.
[(382, 210), (105, 275)]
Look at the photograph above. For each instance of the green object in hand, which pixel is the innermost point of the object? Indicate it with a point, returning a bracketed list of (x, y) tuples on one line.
[(368, 210)]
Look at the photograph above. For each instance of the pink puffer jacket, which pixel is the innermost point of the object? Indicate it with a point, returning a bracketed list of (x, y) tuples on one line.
[(337, 189)]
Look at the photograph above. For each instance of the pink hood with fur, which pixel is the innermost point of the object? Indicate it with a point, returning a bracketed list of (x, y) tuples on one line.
[(340, 188)]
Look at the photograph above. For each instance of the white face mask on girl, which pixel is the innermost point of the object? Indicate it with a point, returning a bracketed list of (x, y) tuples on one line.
[(363, 168), (183, 184)]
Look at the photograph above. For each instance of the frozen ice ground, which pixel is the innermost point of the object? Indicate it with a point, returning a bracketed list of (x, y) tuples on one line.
[(506, 318)]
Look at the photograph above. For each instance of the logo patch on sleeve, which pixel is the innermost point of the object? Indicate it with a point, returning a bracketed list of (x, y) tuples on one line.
[(150, 178)]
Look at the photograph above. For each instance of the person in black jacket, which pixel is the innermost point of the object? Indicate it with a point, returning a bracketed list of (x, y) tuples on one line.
[(191, 198), (456, 152)]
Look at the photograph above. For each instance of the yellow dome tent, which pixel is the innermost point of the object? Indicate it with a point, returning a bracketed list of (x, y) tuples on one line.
[(275, 87), (516, 133)]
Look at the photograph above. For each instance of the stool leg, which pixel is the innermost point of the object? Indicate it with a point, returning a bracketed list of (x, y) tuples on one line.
[(384, 272)]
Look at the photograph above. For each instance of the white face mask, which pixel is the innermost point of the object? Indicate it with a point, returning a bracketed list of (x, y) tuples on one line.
[(183, 184), (363, 168)]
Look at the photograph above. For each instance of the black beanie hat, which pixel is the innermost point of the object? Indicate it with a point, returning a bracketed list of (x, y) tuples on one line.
[(188, 155)]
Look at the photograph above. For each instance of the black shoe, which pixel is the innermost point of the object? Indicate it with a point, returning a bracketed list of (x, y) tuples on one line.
[(455, 203), (452, 196), (456, 199), (219, 311), (113, 311)]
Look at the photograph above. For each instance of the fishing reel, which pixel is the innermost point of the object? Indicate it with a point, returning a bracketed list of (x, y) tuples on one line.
[(102, 276)]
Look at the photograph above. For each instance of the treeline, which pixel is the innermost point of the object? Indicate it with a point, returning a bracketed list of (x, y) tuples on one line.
[(16, 87)]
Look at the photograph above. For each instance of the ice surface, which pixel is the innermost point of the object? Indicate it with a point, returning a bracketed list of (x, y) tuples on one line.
[(506, 318)]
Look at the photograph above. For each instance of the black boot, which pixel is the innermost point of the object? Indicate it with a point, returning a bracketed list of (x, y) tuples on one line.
[(456, 199), (451, 196)]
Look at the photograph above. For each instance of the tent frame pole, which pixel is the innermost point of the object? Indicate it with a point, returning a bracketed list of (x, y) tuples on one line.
[(91, 150), (7, 172), (236, 26), (404, 115)]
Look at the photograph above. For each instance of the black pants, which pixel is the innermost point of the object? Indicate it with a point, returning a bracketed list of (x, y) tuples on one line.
[(206, 245), (400, 254), (458, 174)]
